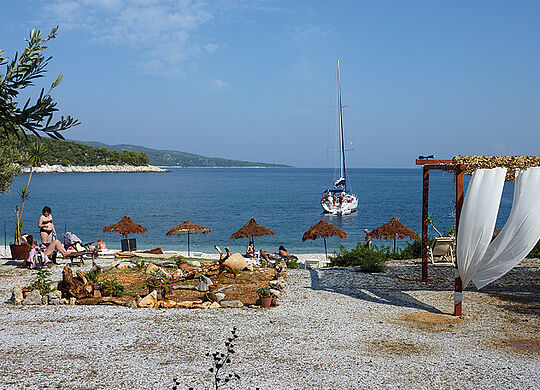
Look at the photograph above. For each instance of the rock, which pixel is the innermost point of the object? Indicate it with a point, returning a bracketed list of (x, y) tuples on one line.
[(168, 303), (231, 304), (204, 283), (195, 263), (151, 268), (220, 296), (214, 305), (132, 303), (72, 300), (53, 299), (58, 293), (178, 274), (64, 301), (185, 304), (275, 292), (89, 288), (17, 295), (276, 284), (249, 268), (149, 301), (236, 261), (44, 300), (97, 294), (33, 298), (205, 305)]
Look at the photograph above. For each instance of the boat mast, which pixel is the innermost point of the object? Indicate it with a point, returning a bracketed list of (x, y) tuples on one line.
[(341, 141)]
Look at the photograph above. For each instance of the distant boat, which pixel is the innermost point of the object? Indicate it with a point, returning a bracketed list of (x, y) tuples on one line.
[(339, 200)]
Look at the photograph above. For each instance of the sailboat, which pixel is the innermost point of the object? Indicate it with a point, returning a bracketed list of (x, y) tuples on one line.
[(339, 200)]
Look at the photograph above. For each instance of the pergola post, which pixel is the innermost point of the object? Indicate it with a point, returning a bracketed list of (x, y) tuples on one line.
[(425, 197), (458, 286)]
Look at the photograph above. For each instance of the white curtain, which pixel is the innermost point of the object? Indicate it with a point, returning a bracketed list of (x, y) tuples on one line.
[(520, 233), (478, 259), (477, 221)]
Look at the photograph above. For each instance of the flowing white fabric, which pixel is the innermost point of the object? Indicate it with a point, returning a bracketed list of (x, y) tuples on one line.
[(477, 221), (520, 233)]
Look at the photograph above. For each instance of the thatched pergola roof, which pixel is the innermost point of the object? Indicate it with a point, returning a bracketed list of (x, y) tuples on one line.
[(125, 226), (323, 229), (188, 227), (485, 162), (252, 229), (391, 229)]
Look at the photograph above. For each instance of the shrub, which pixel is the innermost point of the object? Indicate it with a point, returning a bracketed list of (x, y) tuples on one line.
[(535, 252), (42, 283), (112, 287), (413, 250), (371, 259), (92, 275), (292, 262)]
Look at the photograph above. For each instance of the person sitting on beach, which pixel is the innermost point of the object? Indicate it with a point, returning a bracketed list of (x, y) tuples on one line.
[(49, 250), (249, 250), (101, 245), (46, 226)]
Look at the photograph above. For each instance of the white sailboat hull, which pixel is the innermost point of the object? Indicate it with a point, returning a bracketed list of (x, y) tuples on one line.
[(336, 206)]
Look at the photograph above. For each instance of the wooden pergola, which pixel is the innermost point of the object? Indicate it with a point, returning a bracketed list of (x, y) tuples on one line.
[(462, 165)]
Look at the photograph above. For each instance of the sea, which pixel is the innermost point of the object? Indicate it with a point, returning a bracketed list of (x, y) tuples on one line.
[(285, 200)]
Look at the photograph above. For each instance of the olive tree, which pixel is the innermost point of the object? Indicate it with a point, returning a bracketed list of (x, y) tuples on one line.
[(18, 119)]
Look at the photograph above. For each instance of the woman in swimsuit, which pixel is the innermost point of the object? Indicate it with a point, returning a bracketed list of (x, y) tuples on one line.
[(46, 226)]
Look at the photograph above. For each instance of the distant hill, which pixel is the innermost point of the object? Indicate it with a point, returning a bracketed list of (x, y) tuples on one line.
[(180, 159)]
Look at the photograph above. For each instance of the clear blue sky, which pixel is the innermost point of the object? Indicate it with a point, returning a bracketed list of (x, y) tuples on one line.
[(255, 80)]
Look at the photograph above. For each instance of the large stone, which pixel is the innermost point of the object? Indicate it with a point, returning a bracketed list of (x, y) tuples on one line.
[(151, 268), (132, 303), (168, 303), (236, 261), (72, 301), (33, 298), (195, 263), (277, 284), (275, 292), (185, 304), (214, 305), (205, 305), (17, 295), (220, 296), (231, 304), (149, 301), (204, 283), (52, 298)]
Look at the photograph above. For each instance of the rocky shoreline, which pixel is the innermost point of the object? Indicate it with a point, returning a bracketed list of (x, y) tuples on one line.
[(95, 169)]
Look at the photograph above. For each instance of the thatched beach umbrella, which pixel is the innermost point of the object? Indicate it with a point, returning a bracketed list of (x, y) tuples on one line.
[(125, 226), (323, 229), (252, 229), (392, 230), (188, 227)]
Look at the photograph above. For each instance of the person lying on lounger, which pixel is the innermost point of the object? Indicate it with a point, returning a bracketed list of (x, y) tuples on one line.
[(47, 251)]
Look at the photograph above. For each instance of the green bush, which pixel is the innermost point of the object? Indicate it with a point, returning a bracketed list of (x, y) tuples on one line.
[(42, 283), (535, 253), (92, 275), (292, 262), (371, 259), (112, 287)]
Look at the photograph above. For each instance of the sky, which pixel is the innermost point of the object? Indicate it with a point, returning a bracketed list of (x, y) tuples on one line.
[(256, 80)]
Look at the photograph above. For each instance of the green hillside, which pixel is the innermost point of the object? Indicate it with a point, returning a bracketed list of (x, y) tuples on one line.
[(180, 159), (73, 153)]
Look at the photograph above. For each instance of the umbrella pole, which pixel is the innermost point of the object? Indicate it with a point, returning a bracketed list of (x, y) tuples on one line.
[(188, 244), (394, 245), (325, 250)]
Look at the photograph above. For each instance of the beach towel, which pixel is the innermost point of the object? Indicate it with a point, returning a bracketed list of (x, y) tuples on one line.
[(37, 259)]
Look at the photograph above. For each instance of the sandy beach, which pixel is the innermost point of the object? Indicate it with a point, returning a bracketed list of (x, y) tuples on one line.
[(334, 329)]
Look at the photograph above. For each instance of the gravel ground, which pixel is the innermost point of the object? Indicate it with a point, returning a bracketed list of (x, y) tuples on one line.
[(334, 329)]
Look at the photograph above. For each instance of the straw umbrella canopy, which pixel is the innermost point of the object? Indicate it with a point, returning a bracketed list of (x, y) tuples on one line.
[(188, 227), (323, 229), (392, 230), (252, 229), (125, 226)]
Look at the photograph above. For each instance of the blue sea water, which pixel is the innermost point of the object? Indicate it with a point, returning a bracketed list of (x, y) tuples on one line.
[(286, 200)]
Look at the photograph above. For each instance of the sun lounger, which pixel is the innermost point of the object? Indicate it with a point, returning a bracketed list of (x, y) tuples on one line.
[(77, 258), (312, 263), (442, 252)]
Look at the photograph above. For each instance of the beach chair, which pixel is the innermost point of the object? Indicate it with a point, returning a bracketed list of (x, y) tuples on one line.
[(442, 252), (312, 263)]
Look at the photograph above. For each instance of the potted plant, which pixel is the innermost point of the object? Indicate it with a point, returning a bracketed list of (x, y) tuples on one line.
[(19, 249), (265, 295), (160, 282)]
